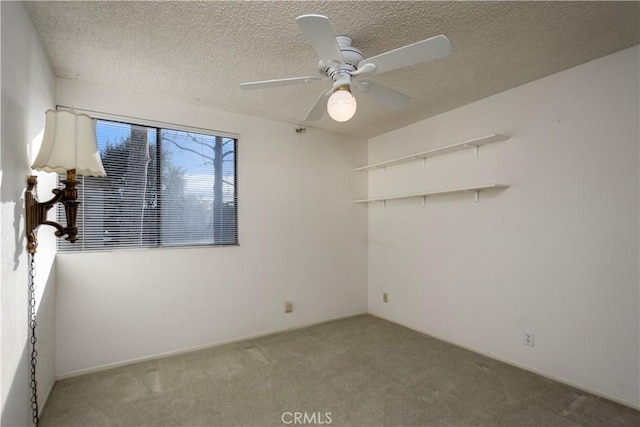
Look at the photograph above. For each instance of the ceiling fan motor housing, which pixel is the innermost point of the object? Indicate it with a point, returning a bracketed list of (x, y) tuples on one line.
[(351, 55), (340, 72)]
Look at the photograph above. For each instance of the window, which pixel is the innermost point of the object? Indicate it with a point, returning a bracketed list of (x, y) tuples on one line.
[(163, 188)]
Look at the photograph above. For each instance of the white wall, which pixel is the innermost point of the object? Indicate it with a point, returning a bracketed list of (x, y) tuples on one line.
[(302, 239), (556, 254), (28, 89)]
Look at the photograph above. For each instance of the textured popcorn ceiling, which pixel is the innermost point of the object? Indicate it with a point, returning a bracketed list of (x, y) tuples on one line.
[(200, 52)]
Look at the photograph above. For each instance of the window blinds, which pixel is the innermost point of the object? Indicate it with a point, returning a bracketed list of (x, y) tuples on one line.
[(163, 188)]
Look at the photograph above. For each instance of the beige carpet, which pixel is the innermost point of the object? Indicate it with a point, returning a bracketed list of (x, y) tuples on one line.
[(360, 371)]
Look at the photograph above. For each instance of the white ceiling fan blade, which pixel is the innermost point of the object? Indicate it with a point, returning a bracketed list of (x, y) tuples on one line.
[(277, 83), (318, 109), (383, 95), (416, 53), (318, 31)]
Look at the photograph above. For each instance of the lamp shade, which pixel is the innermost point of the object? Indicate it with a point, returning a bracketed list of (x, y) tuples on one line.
[(69, 142)]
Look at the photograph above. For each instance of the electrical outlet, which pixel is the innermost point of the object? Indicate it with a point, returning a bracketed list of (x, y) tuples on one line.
[(385, 297), (528, 338), (288, 307)]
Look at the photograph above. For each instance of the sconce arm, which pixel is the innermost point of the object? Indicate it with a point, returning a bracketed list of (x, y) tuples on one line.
[(36, 212)]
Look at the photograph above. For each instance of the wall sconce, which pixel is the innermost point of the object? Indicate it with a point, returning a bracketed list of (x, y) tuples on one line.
[(68, 145)]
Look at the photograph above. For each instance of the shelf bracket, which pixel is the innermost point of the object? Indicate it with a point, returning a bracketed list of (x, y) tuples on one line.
[(424, 163), (424, 200), (475, 151), (384, 204), (477, 194)]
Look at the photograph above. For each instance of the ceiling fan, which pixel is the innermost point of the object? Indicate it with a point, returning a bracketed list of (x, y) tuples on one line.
[(341, 63)]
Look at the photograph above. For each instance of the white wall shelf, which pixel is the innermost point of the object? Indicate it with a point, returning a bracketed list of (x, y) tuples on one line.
[(476, 189), (472, 143)]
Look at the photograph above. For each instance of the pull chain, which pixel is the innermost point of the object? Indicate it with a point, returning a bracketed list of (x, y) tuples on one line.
[(33, 339)]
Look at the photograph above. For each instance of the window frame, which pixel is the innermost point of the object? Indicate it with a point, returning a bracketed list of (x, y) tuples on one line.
[(159, 126)]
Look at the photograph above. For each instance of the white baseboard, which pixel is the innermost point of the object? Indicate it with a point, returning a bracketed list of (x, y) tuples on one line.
[(553, 377), (267, 333), (43, 402), (195, 348)]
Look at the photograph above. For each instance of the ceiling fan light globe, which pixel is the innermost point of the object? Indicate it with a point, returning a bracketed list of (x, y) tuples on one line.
[(341, 105)]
